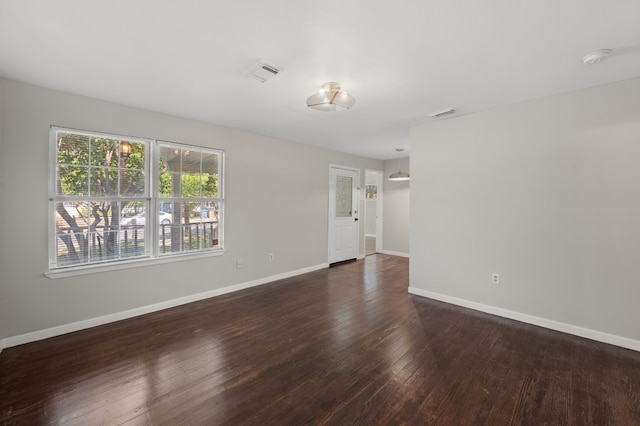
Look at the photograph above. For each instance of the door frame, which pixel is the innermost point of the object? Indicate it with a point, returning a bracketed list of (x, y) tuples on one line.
[(379, 209), (356, 213)]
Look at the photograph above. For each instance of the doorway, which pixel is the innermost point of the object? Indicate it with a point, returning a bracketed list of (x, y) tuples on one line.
[(343, 213), (373, 211)]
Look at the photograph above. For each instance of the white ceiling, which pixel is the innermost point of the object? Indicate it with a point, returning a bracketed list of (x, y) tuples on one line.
[(400, 59)]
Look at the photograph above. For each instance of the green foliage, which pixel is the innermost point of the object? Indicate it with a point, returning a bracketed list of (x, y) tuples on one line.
[(91, 166), (210, 186), (192, 185)]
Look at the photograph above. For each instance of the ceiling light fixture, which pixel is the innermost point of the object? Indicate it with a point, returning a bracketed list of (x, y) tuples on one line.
[(596, 57), (399, 175), (331, 98)]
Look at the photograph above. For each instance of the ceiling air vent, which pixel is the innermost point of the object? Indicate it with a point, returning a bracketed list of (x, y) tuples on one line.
[(263, 71), (443, 113)]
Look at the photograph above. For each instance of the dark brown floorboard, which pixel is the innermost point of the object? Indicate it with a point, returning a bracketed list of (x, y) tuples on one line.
[(341, 346)]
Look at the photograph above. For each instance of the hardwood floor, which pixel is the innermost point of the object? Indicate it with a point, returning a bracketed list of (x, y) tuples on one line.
[(342, 346), (369, 245)]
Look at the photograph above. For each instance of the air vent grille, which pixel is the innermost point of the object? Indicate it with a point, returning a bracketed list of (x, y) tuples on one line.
[(263, 71), (444, 112), (270, 69)]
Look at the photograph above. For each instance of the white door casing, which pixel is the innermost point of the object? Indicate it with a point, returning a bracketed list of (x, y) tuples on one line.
[(343, 213), (371, 214)]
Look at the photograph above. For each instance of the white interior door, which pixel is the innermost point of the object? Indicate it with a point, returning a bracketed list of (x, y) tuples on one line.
[(343, 214)]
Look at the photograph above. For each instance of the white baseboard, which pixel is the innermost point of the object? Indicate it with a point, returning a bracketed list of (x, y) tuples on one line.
[(93, 322), (370, 235), (394, 253), (530, 319)]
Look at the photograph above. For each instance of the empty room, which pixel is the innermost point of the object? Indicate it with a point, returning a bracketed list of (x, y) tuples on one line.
[(337, 213)]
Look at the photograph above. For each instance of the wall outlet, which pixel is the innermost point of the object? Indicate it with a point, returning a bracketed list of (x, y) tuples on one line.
[(495, 278), (239, 263), (270, 256)]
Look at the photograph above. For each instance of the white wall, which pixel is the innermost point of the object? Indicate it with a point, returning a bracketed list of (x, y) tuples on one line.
[(277, 196), (546, 193), (396, 209)]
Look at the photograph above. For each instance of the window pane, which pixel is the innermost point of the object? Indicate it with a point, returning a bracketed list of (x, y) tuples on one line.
[(210, 185), (72, 227), (190, 185), (132, 231), (72, 180), (69, 248), (104, 182), (92, 232), (343, 196), (371, 191), (169, 169), (209, 221), (169, 185), (191, 174), (197, 229), (132, 182), (188, 177), (170, 234), (136, 159), (169, 158), (72, 148), (191, 161), (103, 244), (104, 152)]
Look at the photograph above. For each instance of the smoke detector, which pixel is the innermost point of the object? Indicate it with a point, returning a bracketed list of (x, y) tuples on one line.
[(596, 57), (263, 71), (444, 112)]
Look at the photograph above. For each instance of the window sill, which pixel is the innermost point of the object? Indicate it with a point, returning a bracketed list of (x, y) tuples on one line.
[(93, 269)]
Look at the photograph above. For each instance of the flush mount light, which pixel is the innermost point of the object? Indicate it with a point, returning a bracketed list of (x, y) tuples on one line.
[(331, 98), (596, 57)]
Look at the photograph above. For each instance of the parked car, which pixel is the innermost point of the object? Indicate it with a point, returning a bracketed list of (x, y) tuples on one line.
[(164, 218)]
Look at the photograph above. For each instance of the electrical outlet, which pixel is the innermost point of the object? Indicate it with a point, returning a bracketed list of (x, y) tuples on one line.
[(239, 263), (495, 278), (271, 256)]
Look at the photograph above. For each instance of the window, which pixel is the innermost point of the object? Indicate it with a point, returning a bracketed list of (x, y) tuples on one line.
[(188, 198), (116, 199), (371, 191)]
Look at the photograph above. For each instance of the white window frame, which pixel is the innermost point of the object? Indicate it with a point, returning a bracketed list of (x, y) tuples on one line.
[(152, 209)]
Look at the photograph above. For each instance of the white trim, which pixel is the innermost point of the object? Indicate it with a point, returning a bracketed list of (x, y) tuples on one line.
[(360, 257), (126, 264), (394, 253), (379, 209), (330, 216), (598, 336), (118, 316)]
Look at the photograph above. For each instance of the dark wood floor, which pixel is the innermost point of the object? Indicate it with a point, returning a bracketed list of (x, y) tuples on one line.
[(344, 346)]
